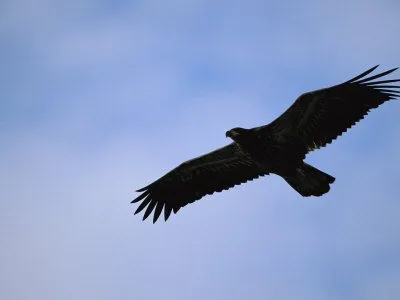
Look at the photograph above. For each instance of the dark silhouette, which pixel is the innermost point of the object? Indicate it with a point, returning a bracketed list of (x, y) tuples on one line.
[(314, 120)]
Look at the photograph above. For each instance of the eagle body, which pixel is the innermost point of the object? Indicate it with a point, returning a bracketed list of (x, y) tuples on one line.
[(314, 120), (277, 153)]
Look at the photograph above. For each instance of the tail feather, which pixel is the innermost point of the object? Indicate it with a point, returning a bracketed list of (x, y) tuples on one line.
[(309, 181)]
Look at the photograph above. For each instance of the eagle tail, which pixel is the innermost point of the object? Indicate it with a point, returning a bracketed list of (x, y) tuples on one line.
[(309, 181)]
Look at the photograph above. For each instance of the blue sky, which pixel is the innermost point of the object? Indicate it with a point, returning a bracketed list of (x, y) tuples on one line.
[(99, 98)]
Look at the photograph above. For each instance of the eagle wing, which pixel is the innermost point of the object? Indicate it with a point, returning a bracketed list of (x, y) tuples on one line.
[(320, 116), (213, 172)]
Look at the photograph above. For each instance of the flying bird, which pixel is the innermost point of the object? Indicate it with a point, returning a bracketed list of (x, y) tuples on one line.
[(314, 120)]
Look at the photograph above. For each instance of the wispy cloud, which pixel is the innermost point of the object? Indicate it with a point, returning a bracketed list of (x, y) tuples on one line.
[(100, 98)]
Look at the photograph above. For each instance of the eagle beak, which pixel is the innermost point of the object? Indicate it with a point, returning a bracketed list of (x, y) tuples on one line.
[(228, 133)]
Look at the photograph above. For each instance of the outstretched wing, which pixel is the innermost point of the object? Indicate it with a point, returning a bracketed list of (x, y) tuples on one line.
[(321, 116), (213, 172)]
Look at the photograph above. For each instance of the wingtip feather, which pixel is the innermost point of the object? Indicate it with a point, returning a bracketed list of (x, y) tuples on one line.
[(167, 212), (140, 197), (142, 205), (362, 74), (158, 211), (149, 209), (376, 76)]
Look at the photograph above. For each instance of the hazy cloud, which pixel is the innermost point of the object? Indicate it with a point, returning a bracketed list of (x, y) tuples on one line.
[(100, 98)]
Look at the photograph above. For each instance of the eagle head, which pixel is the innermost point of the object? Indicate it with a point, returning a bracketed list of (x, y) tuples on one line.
[(236, 133)]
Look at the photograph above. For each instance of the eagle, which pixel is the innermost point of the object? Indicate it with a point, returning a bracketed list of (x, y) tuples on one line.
[(314, 120)]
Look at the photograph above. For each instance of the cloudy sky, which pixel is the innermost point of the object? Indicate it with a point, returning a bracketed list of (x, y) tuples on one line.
[(99, 98)]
